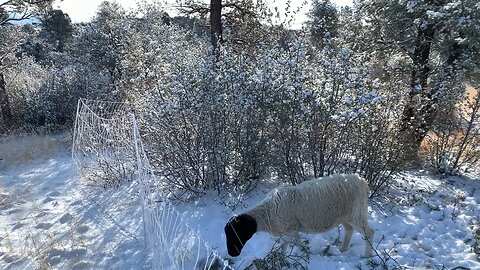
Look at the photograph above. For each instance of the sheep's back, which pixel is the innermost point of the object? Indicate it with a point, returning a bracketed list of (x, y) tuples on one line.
[(322, 203)]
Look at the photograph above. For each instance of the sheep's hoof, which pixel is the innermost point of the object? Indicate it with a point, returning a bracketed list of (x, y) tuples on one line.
[(343, 248)]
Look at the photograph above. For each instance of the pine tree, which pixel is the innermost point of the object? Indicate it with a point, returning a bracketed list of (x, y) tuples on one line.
[(439, 39), (323, 20), (57, 28)]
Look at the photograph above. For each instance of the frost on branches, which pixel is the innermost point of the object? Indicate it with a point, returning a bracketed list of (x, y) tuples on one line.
[(282, 110)]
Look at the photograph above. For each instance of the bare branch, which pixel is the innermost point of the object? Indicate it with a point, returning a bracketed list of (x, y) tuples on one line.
[(24, 8), (7, 3), (194, 9)]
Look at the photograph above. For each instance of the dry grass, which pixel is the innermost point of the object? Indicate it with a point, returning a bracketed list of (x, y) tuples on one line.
[(22, 149), (471, 93), (51, 248), (29, 237)]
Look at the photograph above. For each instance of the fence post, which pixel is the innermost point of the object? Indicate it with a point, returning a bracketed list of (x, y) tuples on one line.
[(75, 128), (140, 171)]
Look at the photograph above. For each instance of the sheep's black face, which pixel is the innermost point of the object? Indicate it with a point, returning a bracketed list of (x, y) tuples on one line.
[(238, 231)]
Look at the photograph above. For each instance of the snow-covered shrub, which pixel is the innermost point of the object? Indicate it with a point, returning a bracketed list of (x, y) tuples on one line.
[(275, 107), (339, 120), (23, 82), (232, 121), (278, 108), (46, 97), (43, 85), (163, 72), (365, 129)]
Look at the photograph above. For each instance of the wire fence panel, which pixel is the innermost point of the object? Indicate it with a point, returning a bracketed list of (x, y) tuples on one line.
[(109, 152), (102, 146)]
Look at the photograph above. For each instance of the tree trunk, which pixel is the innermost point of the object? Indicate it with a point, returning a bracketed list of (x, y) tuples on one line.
[(417, 117), (5, 104), (430, 107), (216, 25), (423, 100)]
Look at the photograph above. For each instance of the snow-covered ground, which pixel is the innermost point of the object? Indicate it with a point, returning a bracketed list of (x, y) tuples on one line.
[(48, 220), (426, 222)]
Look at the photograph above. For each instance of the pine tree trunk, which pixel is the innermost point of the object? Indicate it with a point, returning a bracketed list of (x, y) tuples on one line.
[(418, 114), (216, 25), (5, 104), (424, 97)]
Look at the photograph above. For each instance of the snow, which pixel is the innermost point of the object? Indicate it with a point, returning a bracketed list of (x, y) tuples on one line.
[(435, 14), (429, 226), (48, 219)]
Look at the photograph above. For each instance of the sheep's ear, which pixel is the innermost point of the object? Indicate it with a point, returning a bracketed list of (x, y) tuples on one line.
[(248, 225), (234, 243), (238, 231)]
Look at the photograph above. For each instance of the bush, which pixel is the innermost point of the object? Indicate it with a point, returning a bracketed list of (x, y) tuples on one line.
[(453, 146), (279, 110)]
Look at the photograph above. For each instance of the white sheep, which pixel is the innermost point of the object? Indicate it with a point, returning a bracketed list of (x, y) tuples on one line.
[(313, 206)]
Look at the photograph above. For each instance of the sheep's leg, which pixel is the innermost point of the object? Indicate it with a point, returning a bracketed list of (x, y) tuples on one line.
[(348, 236), (368, 233), (368, 236)]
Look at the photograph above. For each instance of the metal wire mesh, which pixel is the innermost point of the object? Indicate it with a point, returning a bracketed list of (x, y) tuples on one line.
[(102, 146), (109, 152)]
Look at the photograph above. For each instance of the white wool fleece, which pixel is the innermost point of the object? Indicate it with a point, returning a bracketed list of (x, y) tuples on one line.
[(315, 206)]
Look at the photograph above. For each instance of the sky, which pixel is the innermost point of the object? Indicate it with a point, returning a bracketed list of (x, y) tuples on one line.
[(84, 10)]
